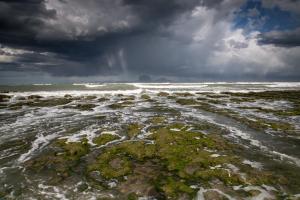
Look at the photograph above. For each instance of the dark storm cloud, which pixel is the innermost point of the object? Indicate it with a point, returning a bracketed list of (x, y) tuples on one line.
[(20, 20), (286, 5), (28, 25), (281, 38), (112, 37)]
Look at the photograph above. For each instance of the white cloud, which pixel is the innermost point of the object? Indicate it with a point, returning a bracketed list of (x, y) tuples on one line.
[(217, 48)]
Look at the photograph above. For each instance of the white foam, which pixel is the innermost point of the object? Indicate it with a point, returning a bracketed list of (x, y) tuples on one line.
[(79, 92), (40, 142), (283, 156), (175, 129), (215, 155), (89, 85), (42, 84), (253, 164), (52, 192), (264, 194), (112, 184), (202, 191), (169, 85), (284, 84)]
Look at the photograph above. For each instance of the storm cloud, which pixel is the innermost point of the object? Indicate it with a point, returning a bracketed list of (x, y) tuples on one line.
[(119, 40)]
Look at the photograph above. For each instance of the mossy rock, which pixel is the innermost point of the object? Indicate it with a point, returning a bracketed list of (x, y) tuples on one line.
[(68, 96), (90, 97), (116, 106), (186, 101), (85, 107), (58, 164), (140, 182), (145, 96), (132, 196), (21, 98), (176, 189), (163, 94), (220, 174), (133, 129), (180, 159), (4, 98), (128, 98), (34, 97), (184, 94), (44, 103), (157, 120), (104, 139), (112, 164), (100, 117), (183, 152), (120, 105), (102, 99), (138, 150), (216, 96), (73, 150)]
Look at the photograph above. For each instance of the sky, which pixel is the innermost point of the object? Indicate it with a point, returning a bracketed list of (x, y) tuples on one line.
[(65, 41)]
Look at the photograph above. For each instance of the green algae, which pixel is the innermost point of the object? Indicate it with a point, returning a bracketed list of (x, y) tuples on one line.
[(184, 94), (128, 98), (116, 161), (68, 96), (73, 150), (34, 97), (178, 153), (157, 120), (43, 102), (105, 138), (175, 189), (90, 97), (187, 101), (163, 94), (145, 96), (133, 129), (82, 107), (116, 106), (137, 149), (59, 164), (111, 164), (122, 105), (102, 99), (100, 117), (85, 107)]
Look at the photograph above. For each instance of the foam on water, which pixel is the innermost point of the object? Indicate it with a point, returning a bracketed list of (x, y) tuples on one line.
[(202, 191), (253, 164), (77, 93), (89, 85), (39, 143), (42, 84), (169, 85), (52, 192)]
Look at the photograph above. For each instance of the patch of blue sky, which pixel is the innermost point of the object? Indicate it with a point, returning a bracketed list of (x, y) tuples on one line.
[(252, 16)]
